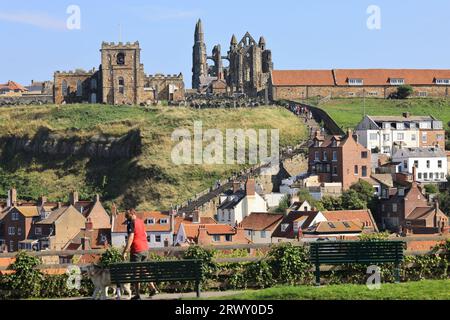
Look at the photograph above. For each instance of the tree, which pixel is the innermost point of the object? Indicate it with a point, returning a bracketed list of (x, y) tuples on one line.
[(365, 190), (285, 203), (431, 189), (404, 91), (351, 200), (331, 203)]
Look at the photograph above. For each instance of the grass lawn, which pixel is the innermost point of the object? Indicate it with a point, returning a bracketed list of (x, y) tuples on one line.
[(349, 112), (423, 290), (149, 181)]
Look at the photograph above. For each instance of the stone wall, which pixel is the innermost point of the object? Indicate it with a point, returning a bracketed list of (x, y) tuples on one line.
[(26, 100), (89, 87), (306, 92), (48, 144)]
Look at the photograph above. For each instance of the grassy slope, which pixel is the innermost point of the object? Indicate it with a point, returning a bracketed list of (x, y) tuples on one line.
[(423, 290), (348, 112), (150, 181)]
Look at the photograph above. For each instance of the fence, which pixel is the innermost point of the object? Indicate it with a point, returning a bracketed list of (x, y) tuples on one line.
[(248, 247)]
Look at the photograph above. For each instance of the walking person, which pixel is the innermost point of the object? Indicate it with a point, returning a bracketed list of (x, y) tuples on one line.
[(137, 245)]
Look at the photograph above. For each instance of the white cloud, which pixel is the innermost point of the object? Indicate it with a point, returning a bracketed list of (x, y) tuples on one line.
[(37, 19)]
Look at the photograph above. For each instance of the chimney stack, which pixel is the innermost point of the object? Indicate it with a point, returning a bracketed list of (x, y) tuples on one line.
[(42, 201), (89, 226), (12, 197), (196, 216), (250, 187), (97, 198), (73, 198), (236, 186)]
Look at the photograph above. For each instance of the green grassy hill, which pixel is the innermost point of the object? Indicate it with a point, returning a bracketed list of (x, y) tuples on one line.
[(148, 180), (349, 112)]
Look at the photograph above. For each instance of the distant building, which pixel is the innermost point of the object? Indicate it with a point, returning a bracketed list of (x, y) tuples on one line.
[(387, 133), (430, 164), (119, 80), (339, 159), (352, 83), (408, 211), (210, 235), (237, 204), (259, 227), (12, 88)]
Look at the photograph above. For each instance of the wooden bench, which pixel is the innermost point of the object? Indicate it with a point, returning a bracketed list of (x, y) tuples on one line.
[(361, 252), (157, 271)]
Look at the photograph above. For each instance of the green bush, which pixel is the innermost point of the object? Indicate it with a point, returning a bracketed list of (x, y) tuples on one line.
[(290, 264), (404, 91), (26, 281), (258, 275), (110, 256)]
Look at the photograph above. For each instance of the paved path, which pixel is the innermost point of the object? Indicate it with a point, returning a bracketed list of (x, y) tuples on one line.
[(174, 296)]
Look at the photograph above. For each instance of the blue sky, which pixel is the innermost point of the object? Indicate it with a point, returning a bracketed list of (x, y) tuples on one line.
[(320, 34)]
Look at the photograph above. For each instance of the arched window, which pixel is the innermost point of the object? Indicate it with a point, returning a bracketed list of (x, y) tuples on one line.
[(121, 59), (121, 85), (64, 88), (79, 88)]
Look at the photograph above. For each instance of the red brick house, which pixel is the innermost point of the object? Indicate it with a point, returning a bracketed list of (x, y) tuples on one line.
[(409, 211), (339, 159)]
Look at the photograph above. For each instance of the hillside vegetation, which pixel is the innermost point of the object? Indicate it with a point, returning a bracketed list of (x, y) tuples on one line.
[(148, 180), (349, 112)]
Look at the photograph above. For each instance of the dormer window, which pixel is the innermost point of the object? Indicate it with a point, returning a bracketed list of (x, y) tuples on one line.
[(397, 81), (163, 221), (444, 82), (149, 221), (355, 82)]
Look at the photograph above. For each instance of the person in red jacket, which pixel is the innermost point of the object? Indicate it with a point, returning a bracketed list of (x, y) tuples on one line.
[(137, 244)]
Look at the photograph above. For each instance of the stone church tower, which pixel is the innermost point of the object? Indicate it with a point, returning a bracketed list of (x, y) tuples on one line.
[(199, 56), (122, 73)]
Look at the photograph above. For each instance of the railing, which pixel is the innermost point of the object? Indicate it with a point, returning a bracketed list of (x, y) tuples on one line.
[(170, 250)]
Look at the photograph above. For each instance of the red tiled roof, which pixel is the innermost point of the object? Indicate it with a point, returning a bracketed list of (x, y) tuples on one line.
[(180, 220), (360, 216), (380, 77), (261, 221), (11, 85), (371, 77), (192, 230), (302, 77)]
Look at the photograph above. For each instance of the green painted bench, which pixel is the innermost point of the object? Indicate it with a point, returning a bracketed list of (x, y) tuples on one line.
[(157, 271), (361, 252)]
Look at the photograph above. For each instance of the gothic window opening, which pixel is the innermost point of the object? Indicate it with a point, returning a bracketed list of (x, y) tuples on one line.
[(121, 85), (121, 59), (64, 88), (94, 84), (79, 89)]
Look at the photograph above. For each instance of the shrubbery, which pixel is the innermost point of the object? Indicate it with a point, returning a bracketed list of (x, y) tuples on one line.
[(284, 264)]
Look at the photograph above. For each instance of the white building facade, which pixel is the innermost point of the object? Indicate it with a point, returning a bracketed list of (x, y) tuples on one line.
[(430, 164), (387, 133)]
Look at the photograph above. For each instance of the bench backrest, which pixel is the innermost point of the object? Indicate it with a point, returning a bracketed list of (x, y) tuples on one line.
[(364, 252), (156, 271)]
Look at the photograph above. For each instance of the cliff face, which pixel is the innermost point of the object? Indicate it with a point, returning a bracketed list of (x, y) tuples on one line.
[(48, 144)]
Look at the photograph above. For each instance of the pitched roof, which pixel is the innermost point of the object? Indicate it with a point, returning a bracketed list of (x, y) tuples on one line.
[(28, 211), (361, 217), (381, 77), (371, 77), (11, 85), (384, 178), (55, 215), (334, 227), (428, 152), (290, 219), (302, 77), (232, 200), (262, 221), (192, 230)]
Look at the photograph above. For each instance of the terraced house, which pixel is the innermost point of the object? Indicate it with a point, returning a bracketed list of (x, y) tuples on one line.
[(385, 134), (353, 83)]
